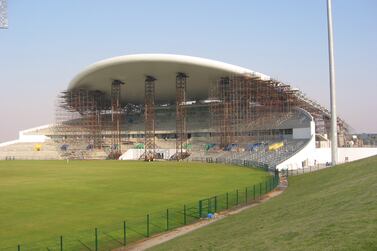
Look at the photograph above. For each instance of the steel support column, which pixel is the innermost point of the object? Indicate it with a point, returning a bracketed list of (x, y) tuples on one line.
[(181, 130), (116, 115), (149, 122)]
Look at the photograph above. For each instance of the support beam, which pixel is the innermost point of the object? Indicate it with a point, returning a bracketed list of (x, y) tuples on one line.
[(181, 130), (116, 115), (149, 122)]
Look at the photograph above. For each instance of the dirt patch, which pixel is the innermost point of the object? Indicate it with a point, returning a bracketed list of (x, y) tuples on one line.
[(166, 236)]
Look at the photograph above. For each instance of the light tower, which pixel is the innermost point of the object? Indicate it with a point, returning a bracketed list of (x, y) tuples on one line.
[(334, 134), (3, 14)]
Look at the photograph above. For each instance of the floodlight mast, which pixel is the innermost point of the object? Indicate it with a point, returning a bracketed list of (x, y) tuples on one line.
[(3, 14), (334, 134)]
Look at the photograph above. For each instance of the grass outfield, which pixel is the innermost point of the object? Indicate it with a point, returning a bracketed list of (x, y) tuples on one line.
[(333, 209), (41, 200)]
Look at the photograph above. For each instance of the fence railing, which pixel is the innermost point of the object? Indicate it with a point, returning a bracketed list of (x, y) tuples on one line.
[(128, 231), (307, 169)]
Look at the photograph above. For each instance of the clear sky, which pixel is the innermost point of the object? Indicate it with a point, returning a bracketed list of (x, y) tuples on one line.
[(48, 42)]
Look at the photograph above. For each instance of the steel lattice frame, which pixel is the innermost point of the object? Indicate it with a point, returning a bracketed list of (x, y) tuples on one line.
[(116, 115), (181, 130), (149, 119)]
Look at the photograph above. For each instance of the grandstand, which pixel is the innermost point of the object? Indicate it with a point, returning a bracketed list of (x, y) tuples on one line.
[(159, 106)]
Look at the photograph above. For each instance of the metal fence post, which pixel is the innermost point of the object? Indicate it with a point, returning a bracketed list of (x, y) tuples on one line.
[(61, 243), (167, 219), (254, 192), (237, 196), (96, 239), (147, 225), (271, 184), (227, 200), (260, 190), (266, 186), (215, 204), (200, 209), (124, 233), (184, 215), (18, 247), (245, 195)]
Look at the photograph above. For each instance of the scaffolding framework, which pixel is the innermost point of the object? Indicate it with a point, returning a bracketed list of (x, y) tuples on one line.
[(242, 104), (243, 109), (117, 114), (181, 129), (79, 121), (149, 119)]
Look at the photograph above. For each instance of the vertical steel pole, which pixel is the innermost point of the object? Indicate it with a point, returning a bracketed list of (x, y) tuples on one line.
[(254, 191), (215, 204), (334, 135), (167, 219), (260, 190), (147, 225), (184, 215), (200, 209), (227, 200), (96, 239), (237, 196), (61, 243), (245, 195), (124, 233)]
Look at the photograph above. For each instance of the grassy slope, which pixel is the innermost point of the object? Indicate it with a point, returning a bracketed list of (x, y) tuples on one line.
[(327, 210), (44, 199)]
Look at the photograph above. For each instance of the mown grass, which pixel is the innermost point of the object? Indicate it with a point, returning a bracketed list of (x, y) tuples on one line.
[(41, 200), (333, 209)]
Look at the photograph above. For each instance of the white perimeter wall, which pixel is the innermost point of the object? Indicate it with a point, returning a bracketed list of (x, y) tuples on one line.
[(134, 154), (296, 161), (24, 137), (301, 133), (323, 155)]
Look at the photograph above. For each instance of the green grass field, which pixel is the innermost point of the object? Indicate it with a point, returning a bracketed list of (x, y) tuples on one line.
[(333, 209), (41, 200)]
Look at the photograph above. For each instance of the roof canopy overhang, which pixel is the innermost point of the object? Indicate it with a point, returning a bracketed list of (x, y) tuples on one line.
[(133, 69)]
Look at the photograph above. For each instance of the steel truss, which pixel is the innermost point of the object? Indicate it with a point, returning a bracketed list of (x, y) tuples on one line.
[(149, 121), (181, 129)]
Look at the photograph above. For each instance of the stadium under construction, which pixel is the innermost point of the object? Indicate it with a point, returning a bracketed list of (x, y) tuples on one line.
[(159, 106)]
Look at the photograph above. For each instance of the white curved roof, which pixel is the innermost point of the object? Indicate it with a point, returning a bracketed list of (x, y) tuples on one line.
[(132, 69)]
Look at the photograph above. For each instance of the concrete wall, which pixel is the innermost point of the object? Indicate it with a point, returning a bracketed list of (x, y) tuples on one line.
[(23, 137), (301, 158), (323, 155), (301, 133), (134, 154)]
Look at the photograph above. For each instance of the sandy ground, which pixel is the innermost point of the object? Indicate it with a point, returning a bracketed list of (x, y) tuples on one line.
[(166, 236)]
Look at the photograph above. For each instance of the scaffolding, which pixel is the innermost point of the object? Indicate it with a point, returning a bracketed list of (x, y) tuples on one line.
[(117, 114), (243, 108), (181, 129), (246, 108), (149, 119), (79, 121)]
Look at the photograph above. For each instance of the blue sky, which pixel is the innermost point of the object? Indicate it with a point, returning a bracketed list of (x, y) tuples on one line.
[(48, 42)]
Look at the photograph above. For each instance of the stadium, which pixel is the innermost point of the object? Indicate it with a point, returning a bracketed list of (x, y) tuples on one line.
[(177, 115), (174, 107)]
